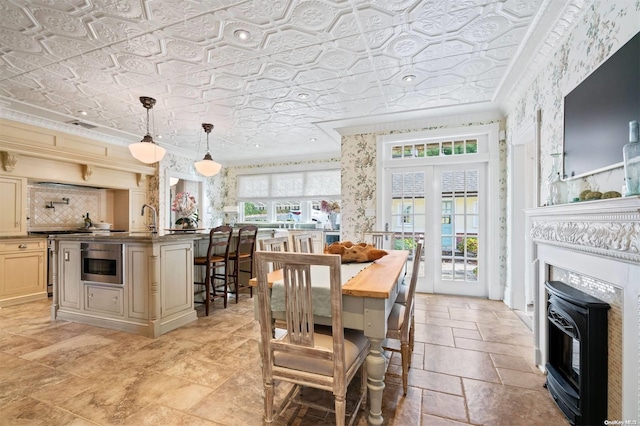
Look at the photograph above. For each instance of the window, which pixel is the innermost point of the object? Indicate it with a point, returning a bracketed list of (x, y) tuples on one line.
[(289, 196), (435, 149)]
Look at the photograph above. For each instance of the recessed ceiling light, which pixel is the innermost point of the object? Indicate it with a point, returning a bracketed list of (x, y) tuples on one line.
[(243, 35), (303, 96), (159, 136), (257, 145), (83, 112), (313, 139), (408, 78)]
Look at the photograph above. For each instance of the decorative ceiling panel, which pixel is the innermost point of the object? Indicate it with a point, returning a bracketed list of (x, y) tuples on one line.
[(302, 63)]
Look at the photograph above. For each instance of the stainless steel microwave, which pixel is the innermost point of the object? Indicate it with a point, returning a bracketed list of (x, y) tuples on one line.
[(102, 262)]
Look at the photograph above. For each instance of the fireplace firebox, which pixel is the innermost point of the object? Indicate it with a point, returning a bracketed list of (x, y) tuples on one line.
[(577, 359)]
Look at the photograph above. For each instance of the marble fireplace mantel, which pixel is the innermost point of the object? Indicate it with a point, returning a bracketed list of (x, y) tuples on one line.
[(598, 240)]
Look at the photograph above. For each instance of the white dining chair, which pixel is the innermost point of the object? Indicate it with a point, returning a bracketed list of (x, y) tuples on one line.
[(306, 354), (382, 240), (401, 322), (303, 243), (275, 244)]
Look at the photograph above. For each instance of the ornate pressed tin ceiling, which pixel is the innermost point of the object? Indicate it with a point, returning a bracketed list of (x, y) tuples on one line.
[(304, 64)]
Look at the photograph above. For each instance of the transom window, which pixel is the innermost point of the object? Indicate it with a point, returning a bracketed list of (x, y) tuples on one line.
[(435, 148)]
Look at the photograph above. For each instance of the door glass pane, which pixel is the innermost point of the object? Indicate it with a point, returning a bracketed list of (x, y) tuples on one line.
[(459, 228), (408, 209)]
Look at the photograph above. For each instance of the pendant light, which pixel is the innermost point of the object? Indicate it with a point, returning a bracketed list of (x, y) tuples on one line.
[(207, 166), (147, 150)]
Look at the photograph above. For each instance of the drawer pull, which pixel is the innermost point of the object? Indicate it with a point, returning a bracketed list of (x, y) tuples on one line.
[(22, 246), (115, 299)]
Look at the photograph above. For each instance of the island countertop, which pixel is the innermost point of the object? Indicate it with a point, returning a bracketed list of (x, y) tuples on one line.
[(136, 237), (139, 237)]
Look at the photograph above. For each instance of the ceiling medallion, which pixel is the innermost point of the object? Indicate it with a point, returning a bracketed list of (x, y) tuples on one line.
[(147, 150)]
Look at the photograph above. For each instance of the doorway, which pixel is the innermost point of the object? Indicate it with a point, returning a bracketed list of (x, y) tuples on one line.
[(444, 186), (445, 206)]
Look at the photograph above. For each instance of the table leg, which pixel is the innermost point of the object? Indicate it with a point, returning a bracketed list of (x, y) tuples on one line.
[(375, 381)]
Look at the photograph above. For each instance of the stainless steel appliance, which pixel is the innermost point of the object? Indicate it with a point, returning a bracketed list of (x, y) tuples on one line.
[(102, 262)]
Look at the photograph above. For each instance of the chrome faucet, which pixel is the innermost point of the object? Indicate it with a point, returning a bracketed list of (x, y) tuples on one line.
[(153, 227)]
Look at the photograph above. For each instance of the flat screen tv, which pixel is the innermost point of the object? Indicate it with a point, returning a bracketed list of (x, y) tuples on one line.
[(598, 111)]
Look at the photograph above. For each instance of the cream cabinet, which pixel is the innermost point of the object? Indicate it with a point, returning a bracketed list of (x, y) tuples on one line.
[(137, 278), (176, 268), (104, 299), (13, 209), (127, 210), (69, 268), (23, 267), (137, 199)]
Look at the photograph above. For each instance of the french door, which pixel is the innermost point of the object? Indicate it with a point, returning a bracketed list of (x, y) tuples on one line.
[(445, 205)]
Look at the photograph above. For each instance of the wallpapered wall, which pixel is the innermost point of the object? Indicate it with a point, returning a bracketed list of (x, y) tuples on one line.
[(603, 29)]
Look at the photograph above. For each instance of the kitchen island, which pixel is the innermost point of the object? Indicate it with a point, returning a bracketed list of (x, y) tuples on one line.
[(152, 295)]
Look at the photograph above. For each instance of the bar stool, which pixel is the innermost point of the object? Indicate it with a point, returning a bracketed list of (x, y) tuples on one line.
[(242, 258), (216, 264)]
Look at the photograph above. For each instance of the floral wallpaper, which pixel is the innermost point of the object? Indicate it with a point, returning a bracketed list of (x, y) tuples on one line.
[(604, 27)]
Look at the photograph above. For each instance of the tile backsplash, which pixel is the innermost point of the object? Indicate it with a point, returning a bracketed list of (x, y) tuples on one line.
[(82, 200)]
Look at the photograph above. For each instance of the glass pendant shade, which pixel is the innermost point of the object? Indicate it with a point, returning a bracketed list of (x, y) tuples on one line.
[(206, 166), (147, 151)]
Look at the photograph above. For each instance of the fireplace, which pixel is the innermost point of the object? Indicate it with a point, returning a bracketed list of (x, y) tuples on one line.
[(593, 247), (577, 352)]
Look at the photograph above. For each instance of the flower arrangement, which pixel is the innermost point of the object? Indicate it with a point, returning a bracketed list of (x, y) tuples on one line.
[(186, 206), (329, 206)]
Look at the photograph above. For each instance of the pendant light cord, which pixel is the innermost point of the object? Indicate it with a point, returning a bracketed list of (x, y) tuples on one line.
[(148, 121)]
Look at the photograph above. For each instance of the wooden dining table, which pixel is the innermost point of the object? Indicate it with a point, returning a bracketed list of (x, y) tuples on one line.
[(367, 300)]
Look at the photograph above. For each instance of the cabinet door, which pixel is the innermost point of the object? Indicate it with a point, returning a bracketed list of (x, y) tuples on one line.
[(108, 300), (176, 278), (69, 272), (22, 273), (137, 222), (13, 216), (137, 273)]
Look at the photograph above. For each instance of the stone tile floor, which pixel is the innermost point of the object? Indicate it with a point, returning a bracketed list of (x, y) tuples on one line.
[(472, 364)]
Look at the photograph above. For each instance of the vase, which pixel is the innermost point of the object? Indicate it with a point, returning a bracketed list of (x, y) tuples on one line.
[(631, 156), (333, 219), (555, 185)]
